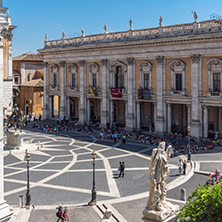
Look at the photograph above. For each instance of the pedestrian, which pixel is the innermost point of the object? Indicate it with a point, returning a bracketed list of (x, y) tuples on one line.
[(62, 120), (101, 136), (122, 169), (65, 215), (57, 120), (59, 213), (180, 166), (184, 167)]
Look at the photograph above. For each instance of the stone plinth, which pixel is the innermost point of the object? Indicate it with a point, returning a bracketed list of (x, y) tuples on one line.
[(14, 140)]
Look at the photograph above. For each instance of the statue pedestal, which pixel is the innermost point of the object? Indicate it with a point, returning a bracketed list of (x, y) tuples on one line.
[(15, 140)]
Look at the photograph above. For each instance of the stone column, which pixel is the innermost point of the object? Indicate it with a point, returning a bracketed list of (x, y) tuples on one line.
[(205, 121), (51, 106), (104, 104), (88, 111), (9, 55), (62, 88), (195, 76), (169, 118), (111, 112), (130, 118), (46, 105), (138, 115), (4, 208), (82, 101), (219, 119), (160, 72), (188, 114), (67, 106)]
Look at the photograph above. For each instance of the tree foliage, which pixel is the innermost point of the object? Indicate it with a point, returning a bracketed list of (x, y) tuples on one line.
[(205, 205)]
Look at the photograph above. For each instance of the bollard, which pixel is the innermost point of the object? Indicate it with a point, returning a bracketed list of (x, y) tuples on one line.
[(183, 194), (21, 201)]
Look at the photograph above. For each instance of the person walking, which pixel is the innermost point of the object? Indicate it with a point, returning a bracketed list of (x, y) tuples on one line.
[(180, 166), (184, 167), (59, 213), (122, 169), (65, 216)]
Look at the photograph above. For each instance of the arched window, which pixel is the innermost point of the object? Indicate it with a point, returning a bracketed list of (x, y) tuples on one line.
[(177, 75), (145, 75), (54, 75), (73, 70), (94, 74)]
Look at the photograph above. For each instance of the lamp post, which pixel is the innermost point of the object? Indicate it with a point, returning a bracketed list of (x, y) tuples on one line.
[(28, 196), (189, 153), (93, 201)]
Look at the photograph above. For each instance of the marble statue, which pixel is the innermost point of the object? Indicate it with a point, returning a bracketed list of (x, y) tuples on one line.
[(131, 24), (195, 15), (83, 32), (105, 28), (160, 21), (157, 207), (46, 37), (63, 34), (16, 118)]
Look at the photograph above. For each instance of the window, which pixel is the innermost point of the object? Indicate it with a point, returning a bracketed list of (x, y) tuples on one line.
[(145, 75), (73, 81), (73, 68), (94, 79), (146, 80), (177, 77), (178, 81), (214, 77), (119, 77), (54, 79), (216, 82), (16, 80)]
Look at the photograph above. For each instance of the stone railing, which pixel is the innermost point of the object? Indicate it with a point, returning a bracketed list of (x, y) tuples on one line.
[(159, 32)]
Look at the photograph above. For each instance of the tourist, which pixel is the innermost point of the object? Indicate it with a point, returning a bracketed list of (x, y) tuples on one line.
[(122, 169), (65, 216), (180, 166), (101, 136), (184, 167), (59, 213)]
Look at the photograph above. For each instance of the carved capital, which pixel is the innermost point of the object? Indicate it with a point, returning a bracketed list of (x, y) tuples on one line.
[(195, 58), (130, 61), (104, 62), (9, 36), (160, 59), (45, 64), (62, 64), (82, 63)]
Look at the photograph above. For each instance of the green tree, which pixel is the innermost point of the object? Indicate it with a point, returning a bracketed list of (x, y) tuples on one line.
[(205, 205)]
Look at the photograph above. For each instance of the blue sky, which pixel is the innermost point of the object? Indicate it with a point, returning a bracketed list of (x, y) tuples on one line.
[(35, 17)]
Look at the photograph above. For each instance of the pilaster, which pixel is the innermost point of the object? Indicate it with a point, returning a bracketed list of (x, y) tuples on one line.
[(105, 103), (46, 103), (160, 118), (138, 115), (4, 208), (82, 100), (130, 118), (62, 88), (195, 123), (9, 55), (169, 120), (205, 121)]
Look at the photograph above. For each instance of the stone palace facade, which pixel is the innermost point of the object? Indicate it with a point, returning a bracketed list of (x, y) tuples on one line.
[(156, 78)]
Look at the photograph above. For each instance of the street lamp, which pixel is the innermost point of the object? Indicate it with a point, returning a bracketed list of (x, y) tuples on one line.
[(189, 153), (93, 201), (28, 196)]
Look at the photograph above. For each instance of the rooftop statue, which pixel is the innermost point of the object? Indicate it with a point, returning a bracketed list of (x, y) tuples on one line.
[(46, 37), (131, 24), (195, 15), (63, 34), (15, 119), (105, 28), (160, 21), (83, 32), (157, 207)]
